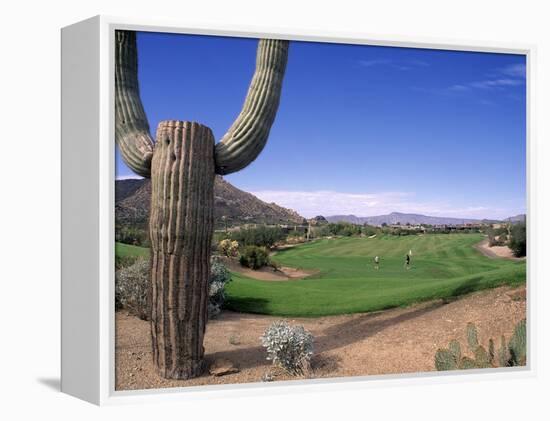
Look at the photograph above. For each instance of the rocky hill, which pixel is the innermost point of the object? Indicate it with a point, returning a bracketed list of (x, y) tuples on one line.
[(132, 201)]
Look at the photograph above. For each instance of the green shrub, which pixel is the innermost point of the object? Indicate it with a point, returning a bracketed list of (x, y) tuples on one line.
[(134, 235), (261, 236), (518, 239), (254, 257)]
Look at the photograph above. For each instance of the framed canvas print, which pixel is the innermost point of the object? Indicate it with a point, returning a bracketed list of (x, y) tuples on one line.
[(245, 211)]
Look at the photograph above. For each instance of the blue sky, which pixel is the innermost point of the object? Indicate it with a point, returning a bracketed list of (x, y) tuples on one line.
[(361, 130)]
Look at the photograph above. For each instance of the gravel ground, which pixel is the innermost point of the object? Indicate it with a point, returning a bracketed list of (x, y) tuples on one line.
[(399, 340)]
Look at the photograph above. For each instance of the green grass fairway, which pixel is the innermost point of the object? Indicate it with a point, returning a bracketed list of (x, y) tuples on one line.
[(127, 250), (443, 266)]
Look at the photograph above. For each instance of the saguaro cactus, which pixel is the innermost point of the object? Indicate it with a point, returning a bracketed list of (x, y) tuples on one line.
[(182, 164)]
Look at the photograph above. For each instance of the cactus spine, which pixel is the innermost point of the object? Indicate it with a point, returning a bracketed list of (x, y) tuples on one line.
[(182, 164)]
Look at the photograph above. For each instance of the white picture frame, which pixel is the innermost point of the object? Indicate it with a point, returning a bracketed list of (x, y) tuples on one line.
[(88, 176)]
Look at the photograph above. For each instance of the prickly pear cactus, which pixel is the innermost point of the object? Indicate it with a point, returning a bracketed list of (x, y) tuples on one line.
[(471, 335), (518, 345), (445, 360), (512, 354)]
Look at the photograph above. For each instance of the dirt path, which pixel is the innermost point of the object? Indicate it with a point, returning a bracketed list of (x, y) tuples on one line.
[(496, 252), (391, 341)]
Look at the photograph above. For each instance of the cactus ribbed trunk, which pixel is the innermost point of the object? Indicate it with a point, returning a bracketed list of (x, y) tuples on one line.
[(181, 224), (182, 164)]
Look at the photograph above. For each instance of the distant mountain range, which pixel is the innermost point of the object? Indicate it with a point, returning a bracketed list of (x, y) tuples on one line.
[(236, 207), (132, 204), (518, 218), (413, 219)]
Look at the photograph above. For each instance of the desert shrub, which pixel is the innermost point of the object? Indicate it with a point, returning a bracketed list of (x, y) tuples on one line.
[(219, 277), (345, 229), (369, 230), (260, 236), (518, 240), (228, 248), (132, 285), (496, 241), (132, 288), (135, 235), (290, 347), (254, 257), (513, 353)]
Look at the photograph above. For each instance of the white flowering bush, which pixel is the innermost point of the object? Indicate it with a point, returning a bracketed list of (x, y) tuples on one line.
[(132, 288), (219, 277), (290, 347)]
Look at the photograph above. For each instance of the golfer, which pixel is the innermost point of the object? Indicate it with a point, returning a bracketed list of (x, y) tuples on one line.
[(408, 261), (376, 262)]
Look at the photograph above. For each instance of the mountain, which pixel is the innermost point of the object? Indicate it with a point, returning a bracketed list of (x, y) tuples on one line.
[(126, 188), (132, 202), (403, 218), (515, 219)]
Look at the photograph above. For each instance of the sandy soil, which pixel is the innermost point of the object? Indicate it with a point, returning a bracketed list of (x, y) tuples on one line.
[(268, 273), (496, 252), (392, 341)]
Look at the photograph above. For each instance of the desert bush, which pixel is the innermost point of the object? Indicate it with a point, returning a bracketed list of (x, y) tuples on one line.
[(132, 285), (518, 240), (135, 235), (290, 347), (496, 240), (219, 277), (132, 288), (513, 353), (228, 248), (345, 229), (254, 257), (260, 236)]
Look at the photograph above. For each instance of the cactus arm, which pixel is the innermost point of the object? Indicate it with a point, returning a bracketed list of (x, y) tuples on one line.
[(132, 129), (248, 135)]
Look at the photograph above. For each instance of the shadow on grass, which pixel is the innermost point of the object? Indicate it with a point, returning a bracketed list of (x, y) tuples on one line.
[(247, 305), (467, 287)]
